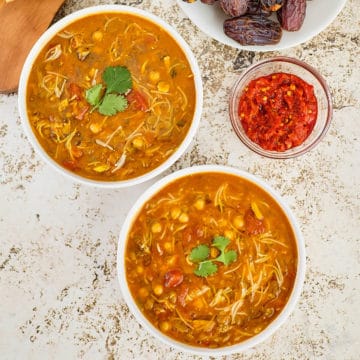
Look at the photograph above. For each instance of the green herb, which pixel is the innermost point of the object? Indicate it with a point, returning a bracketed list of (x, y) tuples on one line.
[(112, 104), (226, 257), (201, 253), (118, 81), (93, 95), (206, 268)]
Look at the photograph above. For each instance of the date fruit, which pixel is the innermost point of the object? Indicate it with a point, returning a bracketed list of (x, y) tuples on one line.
[(255, 8), (292, 14), (234, 8), (208, 2), (253, 30), (272, 5)]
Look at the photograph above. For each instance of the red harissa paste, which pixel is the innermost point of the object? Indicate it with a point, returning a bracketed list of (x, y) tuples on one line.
[(278, 111)]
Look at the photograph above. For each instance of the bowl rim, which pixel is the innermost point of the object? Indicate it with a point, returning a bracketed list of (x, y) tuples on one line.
[(291, 153), (274, 325), (204, 17), (88, 11)]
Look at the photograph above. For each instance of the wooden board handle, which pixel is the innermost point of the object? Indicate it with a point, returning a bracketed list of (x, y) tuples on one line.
[(21, 23)]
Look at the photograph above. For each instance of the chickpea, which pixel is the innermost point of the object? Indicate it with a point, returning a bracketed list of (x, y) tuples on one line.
[(166, 60), (138, 143), (158, 289), (95, 128), (238, 221), (199, 204), (143, 292), (165, 326), (257, 329), (175, 213), (168, 246), (184, 217), (154, 76), (97, 35), (139, 269), (229, 234), (163, 86), (149, 304), (156, 228)]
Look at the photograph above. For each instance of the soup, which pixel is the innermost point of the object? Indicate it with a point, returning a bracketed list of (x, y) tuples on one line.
[(211, 259), (111, 96)]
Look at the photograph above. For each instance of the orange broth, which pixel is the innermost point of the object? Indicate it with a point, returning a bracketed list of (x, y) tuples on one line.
[(239, 299), (130, 143)]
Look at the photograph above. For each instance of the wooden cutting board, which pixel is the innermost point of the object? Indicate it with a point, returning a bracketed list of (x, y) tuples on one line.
[(21, 23)]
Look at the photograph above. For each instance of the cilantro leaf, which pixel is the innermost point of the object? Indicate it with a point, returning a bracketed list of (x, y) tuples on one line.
[(199, 253), (221, 242), (93, 95), (227, 257), (117, 79), (112, 103), (206, 268)]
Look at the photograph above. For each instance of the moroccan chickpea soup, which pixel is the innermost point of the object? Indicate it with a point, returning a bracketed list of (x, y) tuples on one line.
[(210, 259), (111, 96)]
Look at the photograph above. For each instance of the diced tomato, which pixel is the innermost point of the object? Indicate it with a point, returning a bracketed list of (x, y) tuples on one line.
[(70, 164), (138, 100), (253, 225), (183, 291), (75, 91), (173, 278), (191, 233)]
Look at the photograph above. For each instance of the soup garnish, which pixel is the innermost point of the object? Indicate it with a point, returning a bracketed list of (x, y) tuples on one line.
[(211, 259), (111, 96)]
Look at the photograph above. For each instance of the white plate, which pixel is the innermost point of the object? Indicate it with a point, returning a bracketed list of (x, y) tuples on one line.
[(210, 18)]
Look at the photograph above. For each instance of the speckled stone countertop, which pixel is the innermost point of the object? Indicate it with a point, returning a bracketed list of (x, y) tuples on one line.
[(59, 292)]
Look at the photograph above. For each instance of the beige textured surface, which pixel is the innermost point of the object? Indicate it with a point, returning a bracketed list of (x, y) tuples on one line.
[(59, 293)]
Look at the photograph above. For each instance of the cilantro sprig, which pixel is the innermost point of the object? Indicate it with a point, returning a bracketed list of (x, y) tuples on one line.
[(110, 99), (206, 266)]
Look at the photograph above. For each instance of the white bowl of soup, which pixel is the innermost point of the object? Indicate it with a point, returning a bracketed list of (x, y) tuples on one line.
[(211, 260), (110, 96)]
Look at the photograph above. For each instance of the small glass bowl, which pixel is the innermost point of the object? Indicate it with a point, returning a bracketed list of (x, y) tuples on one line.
[(305, 72)]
